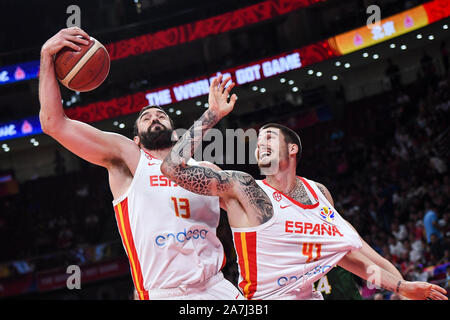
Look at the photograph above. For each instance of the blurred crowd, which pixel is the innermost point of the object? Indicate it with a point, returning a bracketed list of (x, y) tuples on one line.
[(385, 162)]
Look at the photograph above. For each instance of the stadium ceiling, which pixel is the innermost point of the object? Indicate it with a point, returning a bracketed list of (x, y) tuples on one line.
[(309, 77)]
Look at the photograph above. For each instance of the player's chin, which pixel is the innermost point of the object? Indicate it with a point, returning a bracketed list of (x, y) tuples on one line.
[(268, 167)]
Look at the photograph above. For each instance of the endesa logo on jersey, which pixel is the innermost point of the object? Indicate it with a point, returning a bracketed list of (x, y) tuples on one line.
[(161, 181), (181, 237), (282, 281), (319, 229)]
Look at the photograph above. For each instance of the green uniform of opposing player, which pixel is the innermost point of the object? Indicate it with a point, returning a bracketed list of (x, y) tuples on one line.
[(338, 284)]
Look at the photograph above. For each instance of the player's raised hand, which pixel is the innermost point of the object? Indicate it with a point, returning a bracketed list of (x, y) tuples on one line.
[(218, 96), (68, 37), (417, 290)]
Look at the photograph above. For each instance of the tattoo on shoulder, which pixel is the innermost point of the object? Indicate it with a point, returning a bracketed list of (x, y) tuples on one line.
[(255, 196), (322, 189)]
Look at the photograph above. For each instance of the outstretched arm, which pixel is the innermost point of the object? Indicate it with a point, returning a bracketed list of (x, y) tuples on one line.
[(246, 203), (89, 143), (358, 264), (180, 167), (365, 249)]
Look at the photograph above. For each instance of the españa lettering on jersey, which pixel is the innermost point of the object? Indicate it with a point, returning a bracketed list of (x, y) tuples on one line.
[(157, 220), (299, 244), (319, 229)]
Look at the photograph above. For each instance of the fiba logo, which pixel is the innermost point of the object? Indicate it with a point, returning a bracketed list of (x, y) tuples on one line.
[(327, 214), (277, 196)]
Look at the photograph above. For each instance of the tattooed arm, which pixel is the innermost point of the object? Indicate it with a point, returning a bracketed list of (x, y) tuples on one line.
[(245, 202)]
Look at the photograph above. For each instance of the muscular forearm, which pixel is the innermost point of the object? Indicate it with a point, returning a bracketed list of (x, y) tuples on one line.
[(49, 94), (363, 267), (379, 260), (184, 149), (359, 264)]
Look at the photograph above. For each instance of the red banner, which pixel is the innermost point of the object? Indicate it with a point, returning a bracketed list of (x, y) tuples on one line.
[(200, 86), (16, 285), (203, 28)]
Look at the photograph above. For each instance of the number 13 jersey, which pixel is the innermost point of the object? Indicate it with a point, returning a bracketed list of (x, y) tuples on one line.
[(169, 233), (282, 258)]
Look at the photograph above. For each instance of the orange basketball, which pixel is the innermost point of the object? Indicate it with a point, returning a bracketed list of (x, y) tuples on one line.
[(82, 70)]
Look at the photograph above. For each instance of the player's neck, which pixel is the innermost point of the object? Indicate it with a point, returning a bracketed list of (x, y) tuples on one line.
[(284, 180), (159, 154)]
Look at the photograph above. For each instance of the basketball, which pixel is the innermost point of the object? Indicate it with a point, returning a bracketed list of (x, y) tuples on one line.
[(83, 70)]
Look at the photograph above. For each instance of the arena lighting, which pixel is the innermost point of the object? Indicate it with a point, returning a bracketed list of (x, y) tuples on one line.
[(347, 65), (122, 125), (262, 90), (4, 146), (178, 112), (445, 26), (181, 91), (375, 56), (255, 88), (392, 46), (294, 89), (36, 143), (430, 37), (365, 55), (116, 123), (171, 110), (198, 103), (419, 36), (282, 80), (391, 27), (291, 82), (403, 47), (310, 72), (6, 149), (337, 63), (32, 140), (206, 105), (319, 74), (334, 78)]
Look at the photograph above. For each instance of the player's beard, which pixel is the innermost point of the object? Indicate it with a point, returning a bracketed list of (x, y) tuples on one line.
[(157, 140)]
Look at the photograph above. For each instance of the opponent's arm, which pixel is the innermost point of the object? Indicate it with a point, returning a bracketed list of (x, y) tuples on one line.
[(87, 142), (366, 249), (359, 264)]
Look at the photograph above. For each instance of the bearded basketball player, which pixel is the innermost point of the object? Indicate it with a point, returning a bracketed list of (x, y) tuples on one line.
[(168, 233)]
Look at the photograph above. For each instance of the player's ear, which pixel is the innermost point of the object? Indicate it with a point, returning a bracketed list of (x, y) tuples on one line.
[(293, 149), (137, 140)]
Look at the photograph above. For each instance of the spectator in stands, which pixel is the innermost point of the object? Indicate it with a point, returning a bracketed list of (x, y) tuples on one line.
[(445, 57), (430, 221)]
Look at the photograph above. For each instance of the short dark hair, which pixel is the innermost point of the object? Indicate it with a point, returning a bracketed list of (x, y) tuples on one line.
[(290, 136), (135, 128)]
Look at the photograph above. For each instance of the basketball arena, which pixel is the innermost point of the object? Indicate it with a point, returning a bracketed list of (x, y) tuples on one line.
[(364, 84)]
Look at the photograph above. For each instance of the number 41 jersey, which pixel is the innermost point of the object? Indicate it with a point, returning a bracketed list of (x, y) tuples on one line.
[(282, 258), (168, 232)]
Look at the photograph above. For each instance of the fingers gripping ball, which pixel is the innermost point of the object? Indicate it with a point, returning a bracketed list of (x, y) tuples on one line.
[(83, 70)]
